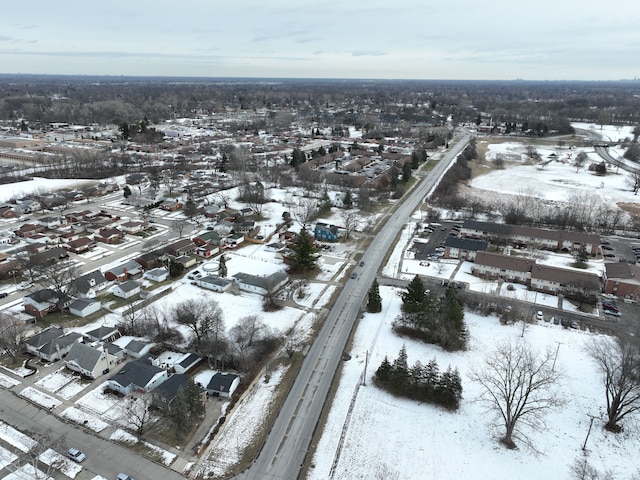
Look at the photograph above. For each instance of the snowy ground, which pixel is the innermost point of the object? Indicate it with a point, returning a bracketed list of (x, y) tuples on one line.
[(403, 439)]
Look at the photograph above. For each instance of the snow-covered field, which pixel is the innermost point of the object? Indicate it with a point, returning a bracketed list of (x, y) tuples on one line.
[(394, 438)]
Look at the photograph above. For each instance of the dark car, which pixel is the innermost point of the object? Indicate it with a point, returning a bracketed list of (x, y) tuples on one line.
[(3, 294)]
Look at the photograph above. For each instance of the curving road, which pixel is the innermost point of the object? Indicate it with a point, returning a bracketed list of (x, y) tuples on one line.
[(288, 442)]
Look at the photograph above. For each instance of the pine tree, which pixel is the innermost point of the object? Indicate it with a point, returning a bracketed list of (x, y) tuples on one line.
[(400, 371), (374, 303), (304, 251), (413, 299), (126, 191), (452, 315), (194, 400), (180, 414), (222, 266), (347, 201), (325, 203), (384, 372)]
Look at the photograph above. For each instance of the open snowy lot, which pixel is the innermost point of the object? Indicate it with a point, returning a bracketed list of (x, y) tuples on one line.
[(371, 434)]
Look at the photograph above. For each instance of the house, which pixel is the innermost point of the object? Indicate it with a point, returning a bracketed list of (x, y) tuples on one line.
[(186, 261), (207, 251), (108, 235), (91, 362), (209, 237), (135, 178), (89, 284), (123, 272), (132, 227), (81, 245), (261, 284), (27, 230), (34, 343), (172, 207), (244, 227), (137, 376), (137, 349), (51, 344), (570, 282), (187, 362), (463, 248), (151, 260), (127, 289), (49, 222), (7, 211), (215, 283), (503, 267), (157, 274), (48, 256), (232, 241), (41, 303), (103, 333), (181, 247), (83, 307), (164, 394), (223, 384), (622, 279), (326, 232)]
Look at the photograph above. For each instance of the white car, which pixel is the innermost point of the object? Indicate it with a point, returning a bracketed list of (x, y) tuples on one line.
[(539, 316), (76, 455)]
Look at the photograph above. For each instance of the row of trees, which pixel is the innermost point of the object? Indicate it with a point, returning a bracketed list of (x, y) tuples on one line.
[(431, 319), (420, 382)]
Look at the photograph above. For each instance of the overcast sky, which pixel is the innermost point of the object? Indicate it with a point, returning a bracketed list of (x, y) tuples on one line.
[(409, 39)]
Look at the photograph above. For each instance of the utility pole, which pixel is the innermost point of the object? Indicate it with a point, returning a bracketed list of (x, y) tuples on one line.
[(584, 445), (553, 367), (364, 374)]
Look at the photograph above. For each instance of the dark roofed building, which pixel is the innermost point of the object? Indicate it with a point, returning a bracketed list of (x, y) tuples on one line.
[(622, 279), (463, 248)]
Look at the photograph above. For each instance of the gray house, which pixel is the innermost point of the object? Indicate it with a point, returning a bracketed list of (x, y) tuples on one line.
[(89, 361), (83, 307), (215, 283), (137, 376), (223, 384), (51, 344), (261, 284)]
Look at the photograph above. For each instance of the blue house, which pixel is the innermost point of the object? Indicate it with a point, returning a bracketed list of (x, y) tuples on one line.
[(326, 232)]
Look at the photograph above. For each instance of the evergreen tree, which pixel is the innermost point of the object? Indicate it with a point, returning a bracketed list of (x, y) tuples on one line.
[(452, 315), (180, 414), (322, 151), (190, 208), (222, 266), (126, 191), (400, 371), (406, 172), (347, 200), (175, 269), (413, 299), (304, 252), (384, 372), (194, 400), (415, 160), (374, 302), (325, 203)]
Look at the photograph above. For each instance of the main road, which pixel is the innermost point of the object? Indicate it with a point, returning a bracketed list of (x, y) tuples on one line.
[(287, 444)]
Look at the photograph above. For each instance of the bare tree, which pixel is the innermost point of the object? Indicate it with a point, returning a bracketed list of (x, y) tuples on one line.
[(181, 227), (202, 316), (350, 221), (619, 364), (12, 334), (130, 320), (292, 340), (244, 335), (306, 211), (633, 180), (136, 409), (40, 460), (54, 274), (518, 385)]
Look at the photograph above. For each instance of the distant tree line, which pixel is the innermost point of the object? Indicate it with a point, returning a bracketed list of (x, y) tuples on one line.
[(424, 383)]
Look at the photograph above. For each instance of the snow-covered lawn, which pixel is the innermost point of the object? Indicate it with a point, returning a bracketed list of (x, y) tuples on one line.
[(240, 429), (56, 380), (405, 439), (13, 437), (123, 436), (83, 418), (40, 398), (59, 462)]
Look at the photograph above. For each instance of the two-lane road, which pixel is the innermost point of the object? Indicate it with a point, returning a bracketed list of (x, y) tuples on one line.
[(288, 442)]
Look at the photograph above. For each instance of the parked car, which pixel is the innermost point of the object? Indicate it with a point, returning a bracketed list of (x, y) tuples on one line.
[(76, 455), (539, 315), (611, 305), (613, 313), (556, 321), (3, 294), (574, 324), (362, 263), (123, 476), (353, 275)]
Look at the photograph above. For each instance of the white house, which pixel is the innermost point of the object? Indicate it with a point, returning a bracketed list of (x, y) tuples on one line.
[(223, 384), (157, 274), (261, 284), (92, 362), (83, 307), (127, 289), (215, 283), (137, 376)]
